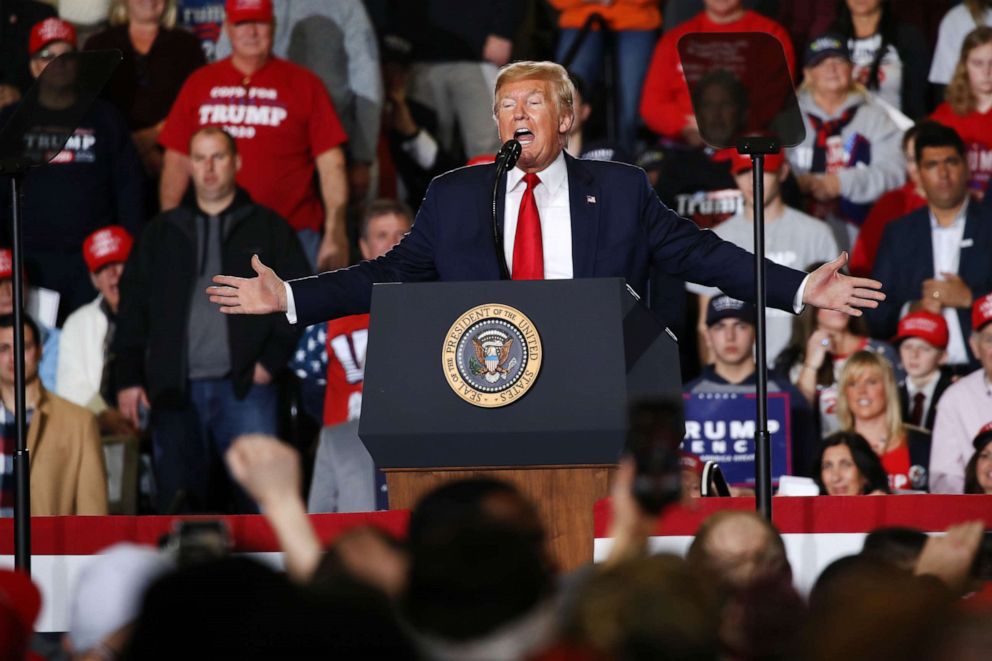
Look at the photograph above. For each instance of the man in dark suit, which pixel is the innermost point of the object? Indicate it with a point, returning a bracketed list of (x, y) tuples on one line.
[(937, 257), (561, 218)]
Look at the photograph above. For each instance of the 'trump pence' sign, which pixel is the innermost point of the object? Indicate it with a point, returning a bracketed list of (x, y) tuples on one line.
[(720, 427)]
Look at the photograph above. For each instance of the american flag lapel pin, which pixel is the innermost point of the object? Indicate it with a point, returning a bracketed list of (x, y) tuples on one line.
[(590, 199)]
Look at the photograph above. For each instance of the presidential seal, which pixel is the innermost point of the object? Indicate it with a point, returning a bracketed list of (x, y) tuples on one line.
[(492, 355)]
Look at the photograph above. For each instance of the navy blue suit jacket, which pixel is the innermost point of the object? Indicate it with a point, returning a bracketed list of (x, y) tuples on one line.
[(905, 260), (619, 229)]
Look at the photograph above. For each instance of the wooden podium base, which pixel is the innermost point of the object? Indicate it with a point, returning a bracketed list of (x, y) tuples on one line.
[(564, 495)]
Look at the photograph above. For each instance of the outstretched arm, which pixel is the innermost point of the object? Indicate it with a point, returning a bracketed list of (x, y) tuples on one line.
[(264, 294), (828, 288), (269, 470)]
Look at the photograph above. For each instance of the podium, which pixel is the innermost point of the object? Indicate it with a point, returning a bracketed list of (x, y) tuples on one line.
[(524, 381)]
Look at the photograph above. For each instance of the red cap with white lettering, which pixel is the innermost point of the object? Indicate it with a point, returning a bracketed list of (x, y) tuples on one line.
[(48, 31), (241, 11), (106, 246), (983, 437), (6, 263), (742, 162), (927, 326), (981, 312), (690, 462)]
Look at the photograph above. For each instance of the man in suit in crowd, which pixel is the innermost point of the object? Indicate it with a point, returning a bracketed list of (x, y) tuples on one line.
[(937, 257), (561, 218), (63, 440)]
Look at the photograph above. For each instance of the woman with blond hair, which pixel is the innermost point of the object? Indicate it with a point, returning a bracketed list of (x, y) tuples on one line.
[(852, 151), (968, 108), (868, 403), (157, 60), (821, 344)]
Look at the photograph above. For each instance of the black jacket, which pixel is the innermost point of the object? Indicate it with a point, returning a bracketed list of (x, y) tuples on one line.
[(157, 287), (919, 457), (943, 381)]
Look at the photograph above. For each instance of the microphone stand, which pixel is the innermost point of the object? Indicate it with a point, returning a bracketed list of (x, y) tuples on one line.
[(757, 148), (22, 461), (506, 158)]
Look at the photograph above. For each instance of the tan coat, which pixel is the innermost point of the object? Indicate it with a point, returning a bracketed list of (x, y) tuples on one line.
[(67, 470)]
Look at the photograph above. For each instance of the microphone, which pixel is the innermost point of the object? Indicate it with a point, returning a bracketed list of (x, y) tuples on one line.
[(506, 158)]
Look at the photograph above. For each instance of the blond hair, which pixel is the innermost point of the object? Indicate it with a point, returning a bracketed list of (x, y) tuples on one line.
[(857, 365), (562, 89), (853, 87), (118, 14), (958, 93)]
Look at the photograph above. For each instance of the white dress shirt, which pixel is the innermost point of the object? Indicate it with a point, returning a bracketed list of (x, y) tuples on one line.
[(947, 259), (551, 196)]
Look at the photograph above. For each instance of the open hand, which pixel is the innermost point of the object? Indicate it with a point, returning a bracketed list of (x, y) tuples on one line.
[(267, 468), (261, 295), (828, 288)]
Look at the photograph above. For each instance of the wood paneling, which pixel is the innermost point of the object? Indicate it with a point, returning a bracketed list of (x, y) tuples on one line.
[(564, 496)]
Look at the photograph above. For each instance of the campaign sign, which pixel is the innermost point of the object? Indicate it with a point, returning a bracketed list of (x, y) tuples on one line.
[(720, 426)]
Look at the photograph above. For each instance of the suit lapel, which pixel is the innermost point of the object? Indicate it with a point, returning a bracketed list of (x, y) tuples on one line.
[(500, 217), (924, 243), (584, 202), (38, 419)]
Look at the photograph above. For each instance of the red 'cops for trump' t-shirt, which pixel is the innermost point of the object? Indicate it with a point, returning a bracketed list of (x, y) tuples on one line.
[(282, 119)]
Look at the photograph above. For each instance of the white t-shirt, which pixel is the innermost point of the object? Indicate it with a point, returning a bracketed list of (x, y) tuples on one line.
[(890, 71), (954, 27), (795, 240)]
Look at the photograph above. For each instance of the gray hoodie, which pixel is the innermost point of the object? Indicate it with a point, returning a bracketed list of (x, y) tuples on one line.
[(862, 183)]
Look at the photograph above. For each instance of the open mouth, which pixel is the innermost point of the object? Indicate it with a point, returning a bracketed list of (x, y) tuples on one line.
[(864, 402), (523, 136)]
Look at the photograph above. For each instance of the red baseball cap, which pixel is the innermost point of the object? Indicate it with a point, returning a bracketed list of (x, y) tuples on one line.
[(482, 159), (106, 246), (927, 326), (6, 263), (690, 462), (239, 11), (983, 437), (48, 31), (981, 312), (20, 596), (742, 162)]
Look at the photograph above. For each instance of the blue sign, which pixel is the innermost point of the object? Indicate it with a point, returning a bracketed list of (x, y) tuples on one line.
[(719, 426)]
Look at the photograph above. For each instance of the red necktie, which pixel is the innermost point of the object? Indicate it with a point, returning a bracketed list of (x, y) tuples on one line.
[(916, 415), (528, 248)]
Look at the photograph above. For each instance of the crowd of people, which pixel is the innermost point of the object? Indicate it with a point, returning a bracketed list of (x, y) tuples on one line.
[(223, 126)]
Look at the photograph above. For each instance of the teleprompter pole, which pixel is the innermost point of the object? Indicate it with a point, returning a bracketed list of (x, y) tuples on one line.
[(22, 464), (757, 148)]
